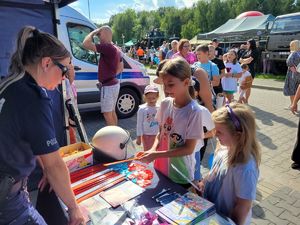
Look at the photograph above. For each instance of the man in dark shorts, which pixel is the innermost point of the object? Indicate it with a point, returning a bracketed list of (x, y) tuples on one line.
[(110, 64)]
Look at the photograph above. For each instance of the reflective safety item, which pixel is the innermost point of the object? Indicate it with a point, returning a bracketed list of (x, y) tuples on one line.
[(112, 141)]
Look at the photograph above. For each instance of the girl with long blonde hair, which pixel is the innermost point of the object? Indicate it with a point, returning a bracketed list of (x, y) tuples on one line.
[(231, 182)]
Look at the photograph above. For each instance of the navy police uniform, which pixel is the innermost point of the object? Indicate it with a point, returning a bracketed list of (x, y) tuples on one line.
[(26, 130)]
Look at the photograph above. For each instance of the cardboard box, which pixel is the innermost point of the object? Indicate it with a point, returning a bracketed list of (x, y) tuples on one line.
[(82, 158)]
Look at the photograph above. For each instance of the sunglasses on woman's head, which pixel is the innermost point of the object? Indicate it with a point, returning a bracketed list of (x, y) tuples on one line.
[(235, 120), (64, 69)]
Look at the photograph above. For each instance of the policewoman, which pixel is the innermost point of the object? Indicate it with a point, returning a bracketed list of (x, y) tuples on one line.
[(26, 127)]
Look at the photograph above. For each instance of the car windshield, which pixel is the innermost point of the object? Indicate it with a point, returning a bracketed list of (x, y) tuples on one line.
[(286, 24)]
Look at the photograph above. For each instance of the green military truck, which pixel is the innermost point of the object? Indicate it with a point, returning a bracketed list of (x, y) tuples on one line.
[(284, 29)]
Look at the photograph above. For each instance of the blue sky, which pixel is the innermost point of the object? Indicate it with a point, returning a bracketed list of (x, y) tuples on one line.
[(101, 10)]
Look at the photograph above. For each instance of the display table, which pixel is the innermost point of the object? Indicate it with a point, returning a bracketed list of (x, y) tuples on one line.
[(54, 212)]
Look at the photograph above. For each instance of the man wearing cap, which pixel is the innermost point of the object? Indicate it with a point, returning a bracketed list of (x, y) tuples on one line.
[(110, 65), (218, 51), (147, 125)]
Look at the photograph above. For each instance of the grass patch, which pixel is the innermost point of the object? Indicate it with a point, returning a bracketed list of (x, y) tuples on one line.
[(278, 77)]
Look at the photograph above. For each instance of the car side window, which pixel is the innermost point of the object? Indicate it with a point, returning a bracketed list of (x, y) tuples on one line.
[(126, 64), (77, 33)]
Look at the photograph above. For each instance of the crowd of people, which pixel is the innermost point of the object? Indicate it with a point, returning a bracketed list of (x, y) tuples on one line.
[(224, 70), (153, 56)]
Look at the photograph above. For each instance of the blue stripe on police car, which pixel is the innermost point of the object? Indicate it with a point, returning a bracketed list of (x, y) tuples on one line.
[(94, 75)]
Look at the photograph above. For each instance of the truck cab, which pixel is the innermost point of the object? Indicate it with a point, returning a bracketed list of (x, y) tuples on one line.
[(72, 30), (284, 29)]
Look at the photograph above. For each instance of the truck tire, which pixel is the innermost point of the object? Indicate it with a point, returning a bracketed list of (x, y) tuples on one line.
[(127, 103)]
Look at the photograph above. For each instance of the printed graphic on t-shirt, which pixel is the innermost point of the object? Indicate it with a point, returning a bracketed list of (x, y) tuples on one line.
[(168, 124), (176, 141), (150, 118)]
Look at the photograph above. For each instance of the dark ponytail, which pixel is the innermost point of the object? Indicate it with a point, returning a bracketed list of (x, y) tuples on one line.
[(16, 65), (252, 43), (32, 46)]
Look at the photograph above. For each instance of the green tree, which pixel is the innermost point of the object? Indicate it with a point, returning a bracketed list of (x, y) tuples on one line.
[(216, 14), (142, 25), (123, 24), (189, 30), (171, 22), (200, 18)]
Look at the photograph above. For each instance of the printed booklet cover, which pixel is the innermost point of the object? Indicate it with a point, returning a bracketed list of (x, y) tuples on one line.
[(187, 209), (216, 220), (121, 193)]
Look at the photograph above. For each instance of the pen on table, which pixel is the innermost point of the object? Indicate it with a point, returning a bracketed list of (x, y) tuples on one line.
[(186, 178)]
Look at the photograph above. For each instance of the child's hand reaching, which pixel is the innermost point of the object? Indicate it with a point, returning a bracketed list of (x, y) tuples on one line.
[(146, 157), (201, 185)]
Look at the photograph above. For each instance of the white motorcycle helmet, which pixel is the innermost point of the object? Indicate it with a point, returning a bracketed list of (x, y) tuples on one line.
[(112, 141)]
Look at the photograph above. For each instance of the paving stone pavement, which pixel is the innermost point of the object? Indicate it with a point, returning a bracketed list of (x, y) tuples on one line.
[(278, 194)]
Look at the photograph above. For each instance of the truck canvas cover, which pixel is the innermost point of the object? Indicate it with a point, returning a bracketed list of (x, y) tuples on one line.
[(237, 28)]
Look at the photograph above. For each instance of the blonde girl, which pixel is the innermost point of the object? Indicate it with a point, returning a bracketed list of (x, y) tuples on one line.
[(180, 121), (231, 182)]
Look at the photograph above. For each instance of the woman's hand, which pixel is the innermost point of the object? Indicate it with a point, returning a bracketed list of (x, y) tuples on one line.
[(147, 157), (43, 183), (75, 216), (294, 108), (293, 69)]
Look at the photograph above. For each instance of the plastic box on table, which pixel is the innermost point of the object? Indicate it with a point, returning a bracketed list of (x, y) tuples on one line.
[(77, 156)]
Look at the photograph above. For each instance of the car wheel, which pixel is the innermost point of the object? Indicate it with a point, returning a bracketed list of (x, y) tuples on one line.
[(127, 103)]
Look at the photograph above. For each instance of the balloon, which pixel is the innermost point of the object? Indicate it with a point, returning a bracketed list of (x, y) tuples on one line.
[(249, 13)]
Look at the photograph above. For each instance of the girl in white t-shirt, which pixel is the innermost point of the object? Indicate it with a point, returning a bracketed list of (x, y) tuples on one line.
[(245, 83), (180, 121), (147, 126), (232, 73)]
